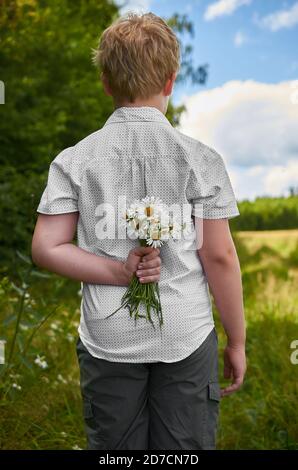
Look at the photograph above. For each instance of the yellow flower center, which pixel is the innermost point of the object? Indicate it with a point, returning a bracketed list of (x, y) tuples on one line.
[(155, 235), (149, 211)]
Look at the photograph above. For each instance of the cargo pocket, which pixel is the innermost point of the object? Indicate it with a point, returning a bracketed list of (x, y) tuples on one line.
[(214, 391), (212, 412)]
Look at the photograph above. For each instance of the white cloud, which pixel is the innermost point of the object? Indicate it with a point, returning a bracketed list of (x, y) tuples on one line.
[(279, 178), (286, 18), (274, 180), (223, 7), (240, 39), (137, 6), (254, 127), (256, 170)]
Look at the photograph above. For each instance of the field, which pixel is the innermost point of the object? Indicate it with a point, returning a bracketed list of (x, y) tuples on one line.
[(264, 414), (40, 406)]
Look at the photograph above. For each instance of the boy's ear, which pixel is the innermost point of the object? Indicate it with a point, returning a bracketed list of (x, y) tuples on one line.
[(170, 84)]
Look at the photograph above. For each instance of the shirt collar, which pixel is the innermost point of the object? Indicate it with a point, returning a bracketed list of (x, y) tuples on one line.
[(137, 113)]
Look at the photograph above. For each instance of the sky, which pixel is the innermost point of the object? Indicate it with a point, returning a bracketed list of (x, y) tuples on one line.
[(248, 108)]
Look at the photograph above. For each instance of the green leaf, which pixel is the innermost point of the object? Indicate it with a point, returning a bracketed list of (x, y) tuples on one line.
[(25, 258), (27, 325), (8, 320), (25, 361), (20, 343), (18, 289), (41, 275)]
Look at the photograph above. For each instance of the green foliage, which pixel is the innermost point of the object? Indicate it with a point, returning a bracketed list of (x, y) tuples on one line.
[(36, 325), (53, 95), (19, 196), (267, 213)]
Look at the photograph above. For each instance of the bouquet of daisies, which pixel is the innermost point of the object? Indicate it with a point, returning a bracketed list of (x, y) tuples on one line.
[(148, 221)]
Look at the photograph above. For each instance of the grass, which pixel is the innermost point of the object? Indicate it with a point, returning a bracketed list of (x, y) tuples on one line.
[(45, 413), (264, 414)]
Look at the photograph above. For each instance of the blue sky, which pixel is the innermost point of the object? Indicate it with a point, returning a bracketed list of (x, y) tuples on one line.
[(236, 46), (248, 109)]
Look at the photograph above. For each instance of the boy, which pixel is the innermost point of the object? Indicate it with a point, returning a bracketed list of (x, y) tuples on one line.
[(141, 390)]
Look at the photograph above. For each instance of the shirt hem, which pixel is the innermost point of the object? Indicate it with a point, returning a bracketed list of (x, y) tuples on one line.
[(189, 352), (41, 211), (216, 216)]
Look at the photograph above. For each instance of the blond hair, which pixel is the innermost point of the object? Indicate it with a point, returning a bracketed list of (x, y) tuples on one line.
[(137, 54)]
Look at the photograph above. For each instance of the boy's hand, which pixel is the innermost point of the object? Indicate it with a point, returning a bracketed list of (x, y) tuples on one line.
[(145, 262), (234, 368)]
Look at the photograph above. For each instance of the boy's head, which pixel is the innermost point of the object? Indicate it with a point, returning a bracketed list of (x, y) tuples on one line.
[(139, 57)]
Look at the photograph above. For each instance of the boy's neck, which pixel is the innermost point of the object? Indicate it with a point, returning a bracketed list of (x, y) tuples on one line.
[(158, 102)]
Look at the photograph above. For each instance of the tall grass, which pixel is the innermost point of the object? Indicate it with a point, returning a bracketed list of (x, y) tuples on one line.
[(40, 402)]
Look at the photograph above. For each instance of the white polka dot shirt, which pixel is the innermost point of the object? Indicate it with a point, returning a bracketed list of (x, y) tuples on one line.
[(138, 153)]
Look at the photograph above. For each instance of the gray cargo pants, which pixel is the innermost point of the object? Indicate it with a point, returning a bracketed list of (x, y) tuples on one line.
[(151, 406)]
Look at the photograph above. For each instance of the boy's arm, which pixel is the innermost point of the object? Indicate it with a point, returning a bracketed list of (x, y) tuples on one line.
[(52, 248), (221, 265)]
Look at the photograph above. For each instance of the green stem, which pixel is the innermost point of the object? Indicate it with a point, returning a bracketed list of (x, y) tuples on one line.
[(17, 327), (137, 294), (30, 339)]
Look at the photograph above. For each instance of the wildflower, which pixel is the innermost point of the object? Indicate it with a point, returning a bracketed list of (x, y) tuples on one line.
[(63, 434), (16, 386), (62, 379), (40, 361), (70, 337), (14, 376)]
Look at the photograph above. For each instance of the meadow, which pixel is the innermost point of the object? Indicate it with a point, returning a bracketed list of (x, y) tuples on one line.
[(40, 403)]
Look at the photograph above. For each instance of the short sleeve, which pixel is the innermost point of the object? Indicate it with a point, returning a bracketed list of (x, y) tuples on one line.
[(59, 195), (209, 189)]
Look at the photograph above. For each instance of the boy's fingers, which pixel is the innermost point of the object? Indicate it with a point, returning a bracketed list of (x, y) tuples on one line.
[(236, 385), (148, 272), (238, 378), (152, 263), (149, 279), (154, 254), (144, 250)]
